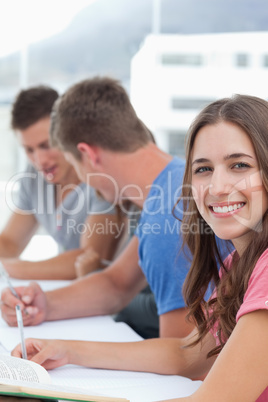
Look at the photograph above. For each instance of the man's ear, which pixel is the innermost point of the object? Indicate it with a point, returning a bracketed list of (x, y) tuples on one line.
[(90, 152)]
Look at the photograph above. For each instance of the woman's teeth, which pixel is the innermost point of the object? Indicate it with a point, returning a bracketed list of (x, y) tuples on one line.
[(230, 208)]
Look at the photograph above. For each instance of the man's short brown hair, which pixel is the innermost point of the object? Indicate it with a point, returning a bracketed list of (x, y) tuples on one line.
[(32, 105), (98, 112)]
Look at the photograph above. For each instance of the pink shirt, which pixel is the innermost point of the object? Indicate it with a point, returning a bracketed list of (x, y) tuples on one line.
[(256, 296)]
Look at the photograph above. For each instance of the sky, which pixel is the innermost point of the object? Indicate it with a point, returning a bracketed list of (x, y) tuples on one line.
[(27, 21)]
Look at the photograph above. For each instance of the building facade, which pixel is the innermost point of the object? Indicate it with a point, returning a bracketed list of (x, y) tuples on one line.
[(174, 76)]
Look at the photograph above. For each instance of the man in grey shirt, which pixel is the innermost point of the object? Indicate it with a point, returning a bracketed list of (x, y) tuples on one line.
[(51, 195)]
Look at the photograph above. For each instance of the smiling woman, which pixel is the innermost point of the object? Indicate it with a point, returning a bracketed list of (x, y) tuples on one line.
[(227, 182), (227, 185)]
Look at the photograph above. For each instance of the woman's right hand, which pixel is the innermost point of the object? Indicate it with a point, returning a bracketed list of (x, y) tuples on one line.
[(46, 352)]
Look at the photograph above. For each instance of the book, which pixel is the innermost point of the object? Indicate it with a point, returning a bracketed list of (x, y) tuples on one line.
[(24, 378)]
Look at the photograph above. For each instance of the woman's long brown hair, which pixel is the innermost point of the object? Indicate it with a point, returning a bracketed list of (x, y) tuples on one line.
[(250, 114)]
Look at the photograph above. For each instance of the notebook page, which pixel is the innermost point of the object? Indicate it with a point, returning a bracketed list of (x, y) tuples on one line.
[(136, 386), (103, 329), (162, 391), (12, 368)]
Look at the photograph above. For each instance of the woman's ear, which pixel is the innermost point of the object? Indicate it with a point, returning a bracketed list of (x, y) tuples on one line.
[(88, 152)]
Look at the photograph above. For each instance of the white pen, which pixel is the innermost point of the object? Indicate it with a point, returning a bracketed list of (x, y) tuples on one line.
[(13, 291), (20, 326), (5, 275)]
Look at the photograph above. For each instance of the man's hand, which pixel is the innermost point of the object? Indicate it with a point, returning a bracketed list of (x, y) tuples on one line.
[(87, 262), (32, 302)]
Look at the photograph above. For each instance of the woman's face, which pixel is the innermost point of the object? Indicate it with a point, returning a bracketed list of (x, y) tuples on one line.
[(227, 183)]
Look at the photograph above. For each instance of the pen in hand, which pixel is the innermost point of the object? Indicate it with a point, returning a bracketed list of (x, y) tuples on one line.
[(5, 275), (20, 326)]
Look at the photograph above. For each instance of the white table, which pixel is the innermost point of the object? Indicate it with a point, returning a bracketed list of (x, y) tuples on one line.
[(135, 386)]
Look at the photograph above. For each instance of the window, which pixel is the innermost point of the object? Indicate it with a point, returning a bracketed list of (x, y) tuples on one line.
[(190, 103), (182, 59), (242, 60)]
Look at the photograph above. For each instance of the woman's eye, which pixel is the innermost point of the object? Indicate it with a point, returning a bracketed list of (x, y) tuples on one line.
[(202, 169), (241, 165)]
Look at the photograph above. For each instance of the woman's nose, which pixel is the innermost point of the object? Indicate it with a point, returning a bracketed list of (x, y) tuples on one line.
[(220, 183)]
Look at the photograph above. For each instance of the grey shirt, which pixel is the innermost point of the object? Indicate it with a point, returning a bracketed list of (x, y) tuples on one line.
[(65, 223)]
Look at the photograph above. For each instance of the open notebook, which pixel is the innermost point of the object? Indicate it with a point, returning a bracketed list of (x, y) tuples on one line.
[(135, 386), (20, 377)]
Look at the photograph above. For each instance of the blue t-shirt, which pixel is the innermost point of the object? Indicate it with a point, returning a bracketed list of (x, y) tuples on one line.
[(159, 232), (160, 257)]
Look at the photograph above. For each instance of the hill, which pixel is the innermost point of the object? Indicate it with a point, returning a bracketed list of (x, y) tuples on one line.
[(103, 37)]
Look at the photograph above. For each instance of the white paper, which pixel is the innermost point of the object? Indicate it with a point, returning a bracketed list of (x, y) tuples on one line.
[(102, 329), (136, 386)]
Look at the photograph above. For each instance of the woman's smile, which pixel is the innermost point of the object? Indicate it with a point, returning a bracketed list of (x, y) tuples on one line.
[(226, 181)]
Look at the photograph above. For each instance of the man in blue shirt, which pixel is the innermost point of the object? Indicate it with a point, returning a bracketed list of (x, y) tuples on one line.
[(96, 127)]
